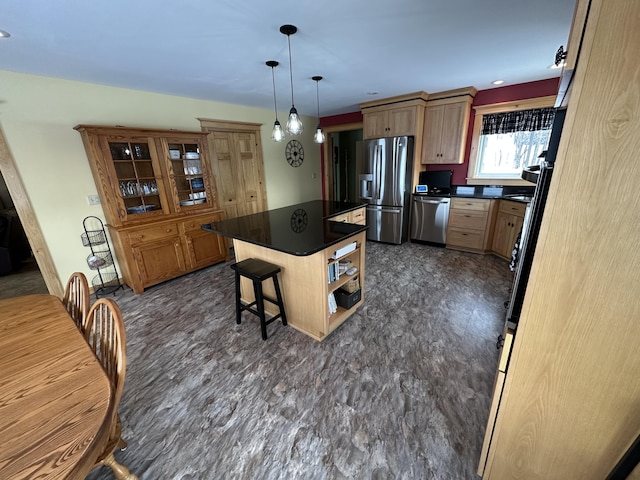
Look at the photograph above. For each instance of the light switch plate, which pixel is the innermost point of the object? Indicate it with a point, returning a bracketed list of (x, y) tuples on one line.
[(93, 199)]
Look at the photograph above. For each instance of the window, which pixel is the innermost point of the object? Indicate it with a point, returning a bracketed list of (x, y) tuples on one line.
[(507, 138)]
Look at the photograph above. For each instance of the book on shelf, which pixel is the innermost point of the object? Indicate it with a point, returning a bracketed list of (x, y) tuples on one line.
[(333, 271), (333, 306)]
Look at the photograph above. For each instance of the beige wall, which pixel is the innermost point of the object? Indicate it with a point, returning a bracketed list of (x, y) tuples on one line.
[(37, 115)]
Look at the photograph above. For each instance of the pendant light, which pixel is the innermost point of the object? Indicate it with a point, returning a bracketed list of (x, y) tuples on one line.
[(277, 135), (319, 136), (294, 124)]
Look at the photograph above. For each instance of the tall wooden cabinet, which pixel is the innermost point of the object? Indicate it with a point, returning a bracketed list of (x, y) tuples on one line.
[(570, 405), (446, 123), (156, 190)]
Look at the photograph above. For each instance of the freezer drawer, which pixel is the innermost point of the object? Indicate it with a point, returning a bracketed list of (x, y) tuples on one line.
[(385, 224)]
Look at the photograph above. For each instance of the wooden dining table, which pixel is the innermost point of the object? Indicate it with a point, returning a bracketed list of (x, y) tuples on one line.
[(56, 401)]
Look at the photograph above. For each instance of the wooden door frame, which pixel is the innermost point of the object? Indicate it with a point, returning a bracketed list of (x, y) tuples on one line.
[(28, 219), (327, 167)]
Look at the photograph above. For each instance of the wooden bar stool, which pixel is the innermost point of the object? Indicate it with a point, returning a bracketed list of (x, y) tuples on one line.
[(258, 271)]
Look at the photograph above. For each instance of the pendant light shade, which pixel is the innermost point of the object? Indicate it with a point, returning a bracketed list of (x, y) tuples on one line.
[(277, 135), (319, 136), (294, 124)]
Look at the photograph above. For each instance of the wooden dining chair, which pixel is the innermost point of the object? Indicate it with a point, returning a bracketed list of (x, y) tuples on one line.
[(77, 298), (104, 331)]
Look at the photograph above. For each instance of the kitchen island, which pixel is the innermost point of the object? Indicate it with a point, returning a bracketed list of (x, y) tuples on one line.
[(307, 241)]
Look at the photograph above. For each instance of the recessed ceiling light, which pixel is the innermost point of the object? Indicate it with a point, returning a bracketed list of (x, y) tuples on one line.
[(4, 34), (497, 82)]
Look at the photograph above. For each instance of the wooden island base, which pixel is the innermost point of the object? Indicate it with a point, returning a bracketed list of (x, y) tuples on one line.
[(305, 284)]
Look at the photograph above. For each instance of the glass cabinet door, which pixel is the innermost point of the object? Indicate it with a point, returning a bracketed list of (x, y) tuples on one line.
[(138, 184), (188, 174)]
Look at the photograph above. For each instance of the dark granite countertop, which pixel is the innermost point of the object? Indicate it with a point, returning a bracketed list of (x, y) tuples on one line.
[(516, 194), (301, 229)]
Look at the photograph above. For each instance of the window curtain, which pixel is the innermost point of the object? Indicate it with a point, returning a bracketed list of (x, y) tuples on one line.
[(518, 121)]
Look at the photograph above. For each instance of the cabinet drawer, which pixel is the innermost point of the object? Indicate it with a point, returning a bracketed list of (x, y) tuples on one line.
[(513, 208), (468, 219), (196, 222), (470, 204), (465, 238), (359, 216), (343, 217), (152, 233)]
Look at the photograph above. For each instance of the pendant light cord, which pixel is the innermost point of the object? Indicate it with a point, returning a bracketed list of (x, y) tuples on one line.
[(290, 68), (318, 100), (275, 105)]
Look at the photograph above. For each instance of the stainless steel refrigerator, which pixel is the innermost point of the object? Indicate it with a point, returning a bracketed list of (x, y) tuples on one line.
[(384, 183)]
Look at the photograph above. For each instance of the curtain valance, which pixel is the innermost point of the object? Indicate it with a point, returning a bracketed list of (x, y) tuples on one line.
[(518, 121)]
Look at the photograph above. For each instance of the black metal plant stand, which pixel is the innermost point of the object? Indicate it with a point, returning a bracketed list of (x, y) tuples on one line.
[(107, 280)]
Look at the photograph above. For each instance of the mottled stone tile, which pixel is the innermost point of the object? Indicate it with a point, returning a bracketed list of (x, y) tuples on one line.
[(401, 390)]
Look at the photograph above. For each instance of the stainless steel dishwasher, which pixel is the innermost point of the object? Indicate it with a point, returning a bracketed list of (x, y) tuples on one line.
[(429, 219)]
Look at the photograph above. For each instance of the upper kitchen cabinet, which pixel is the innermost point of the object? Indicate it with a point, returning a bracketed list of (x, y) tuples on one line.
[(394, 116), (446, 122), (144, 174)]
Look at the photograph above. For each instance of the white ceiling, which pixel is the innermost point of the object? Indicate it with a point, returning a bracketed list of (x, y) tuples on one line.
[(217, 49)]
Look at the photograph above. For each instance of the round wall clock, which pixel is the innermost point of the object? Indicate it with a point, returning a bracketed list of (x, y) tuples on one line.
[(294, 153)]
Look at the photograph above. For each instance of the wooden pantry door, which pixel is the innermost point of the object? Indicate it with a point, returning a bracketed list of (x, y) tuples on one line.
[(236, 160)]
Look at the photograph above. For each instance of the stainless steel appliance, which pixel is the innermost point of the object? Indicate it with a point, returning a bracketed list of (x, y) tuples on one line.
[(385, 184), (532, 221), (430, 218), (430, 207)]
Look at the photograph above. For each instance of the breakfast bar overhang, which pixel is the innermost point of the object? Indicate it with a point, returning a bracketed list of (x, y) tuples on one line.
[(307, 241)]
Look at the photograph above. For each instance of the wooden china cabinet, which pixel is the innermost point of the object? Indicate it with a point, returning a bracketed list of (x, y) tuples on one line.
[(156, 189)]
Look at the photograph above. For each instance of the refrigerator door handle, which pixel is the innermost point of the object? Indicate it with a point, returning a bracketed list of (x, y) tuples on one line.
[(379, 166), (376, 182)]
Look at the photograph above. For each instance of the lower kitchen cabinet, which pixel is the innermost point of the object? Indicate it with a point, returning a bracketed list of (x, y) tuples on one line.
[(157, 261), (507, 227), (469, 225), (151, 254), (200, 249)]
